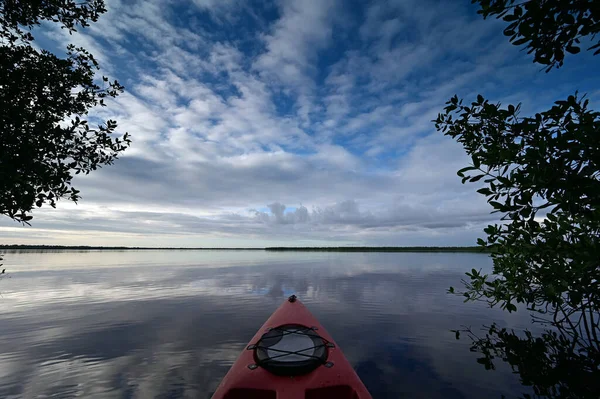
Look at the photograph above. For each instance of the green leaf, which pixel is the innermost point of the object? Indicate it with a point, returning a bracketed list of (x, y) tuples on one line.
[(461, 172), (568, 19), (520, 41), (504, 180), (496, 204)]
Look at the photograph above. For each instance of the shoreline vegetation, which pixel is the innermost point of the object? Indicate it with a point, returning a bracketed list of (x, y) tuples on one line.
[(271, 249)]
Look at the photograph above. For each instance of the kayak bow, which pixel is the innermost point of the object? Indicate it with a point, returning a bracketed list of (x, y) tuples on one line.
[(291, 357)]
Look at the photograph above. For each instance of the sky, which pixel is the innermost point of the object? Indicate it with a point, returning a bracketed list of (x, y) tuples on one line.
[(289, 122)]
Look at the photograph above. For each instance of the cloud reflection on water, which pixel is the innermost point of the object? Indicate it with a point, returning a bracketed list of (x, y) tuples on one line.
[(156, 324)]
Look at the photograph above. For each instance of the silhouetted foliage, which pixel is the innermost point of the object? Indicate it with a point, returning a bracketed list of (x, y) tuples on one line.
[(44, 139), (542, 174), (555, 364), (548, 28), (548, 163)]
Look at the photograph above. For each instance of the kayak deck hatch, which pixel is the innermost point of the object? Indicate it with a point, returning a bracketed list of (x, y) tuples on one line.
[(292, 357)]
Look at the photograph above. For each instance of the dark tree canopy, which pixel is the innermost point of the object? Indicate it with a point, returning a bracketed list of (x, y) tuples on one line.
[(548, 28), (542, 174), (547, 163), (44, 138), (19, 16)]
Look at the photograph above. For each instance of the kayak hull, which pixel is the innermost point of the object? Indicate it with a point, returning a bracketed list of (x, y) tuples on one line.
[(336, 379)]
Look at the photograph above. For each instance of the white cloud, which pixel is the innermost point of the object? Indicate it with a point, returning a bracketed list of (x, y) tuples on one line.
[(292, 48), (303, 29), (210, 4)]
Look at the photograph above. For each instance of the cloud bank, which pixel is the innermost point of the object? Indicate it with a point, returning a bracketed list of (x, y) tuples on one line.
[(285, 122)]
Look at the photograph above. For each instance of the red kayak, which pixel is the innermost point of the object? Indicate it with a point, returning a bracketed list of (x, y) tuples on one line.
[(291, 357)]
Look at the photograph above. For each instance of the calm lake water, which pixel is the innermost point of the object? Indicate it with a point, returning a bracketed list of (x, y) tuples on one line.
[(169, 324)]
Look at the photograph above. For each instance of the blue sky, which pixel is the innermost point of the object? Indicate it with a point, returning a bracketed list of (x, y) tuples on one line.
[(292, 122)]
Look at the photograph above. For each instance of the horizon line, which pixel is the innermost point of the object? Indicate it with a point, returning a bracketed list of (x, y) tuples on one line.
[(277, 248)]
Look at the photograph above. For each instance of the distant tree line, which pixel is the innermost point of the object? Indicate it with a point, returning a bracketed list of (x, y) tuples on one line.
[(379, 249)]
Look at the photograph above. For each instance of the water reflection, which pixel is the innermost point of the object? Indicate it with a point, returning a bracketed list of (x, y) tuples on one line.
[(169, 324)]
